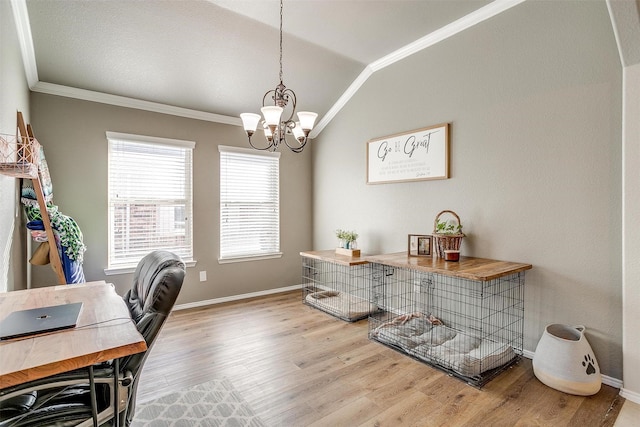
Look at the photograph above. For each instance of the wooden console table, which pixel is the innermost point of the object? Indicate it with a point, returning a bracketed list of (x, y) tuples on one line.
[(333, 257), (478, 269)]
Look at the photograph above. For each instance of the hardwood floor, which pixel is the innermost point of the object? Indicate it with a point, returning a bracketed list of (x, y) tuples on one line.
[(297, 366)]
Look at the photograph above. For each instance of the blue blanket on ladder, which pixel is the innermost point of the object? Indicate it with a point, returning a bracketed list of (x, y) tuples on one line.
[(71, 256), (67, 232)]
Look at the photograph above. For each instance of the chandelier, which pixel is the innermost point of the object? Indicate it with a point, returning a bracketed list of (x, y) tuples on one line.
[(278, 112)]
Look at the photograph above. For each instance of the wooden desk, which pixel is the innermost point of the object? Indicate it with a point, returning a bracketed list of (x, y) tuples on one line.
[(478, 269), (104, 332), (333, 257)]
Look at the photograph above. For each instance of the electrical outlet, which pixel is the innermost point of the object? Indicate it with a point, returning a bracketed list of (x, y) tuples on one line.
[(203, 276)]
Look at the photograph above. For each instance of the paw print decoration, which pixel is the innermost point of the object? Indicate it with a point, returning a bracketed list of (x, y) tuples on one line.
[(589, 363)]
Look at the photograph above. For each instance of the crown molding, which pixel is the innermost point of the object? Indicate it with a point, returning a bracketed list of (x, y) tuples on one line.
[(123, 101), (467, 21), (23, 29), (26, 44), (341, 102), (490, 10)]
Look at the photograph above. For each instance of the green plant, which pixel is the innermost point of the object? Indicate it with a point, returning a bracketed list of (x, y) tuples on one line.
[(347, 236), (448, 227)]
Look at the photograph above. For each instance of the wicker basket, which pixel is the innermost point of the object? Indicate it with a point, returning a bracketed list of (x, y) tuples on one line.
[(444, 242), (19, 156)]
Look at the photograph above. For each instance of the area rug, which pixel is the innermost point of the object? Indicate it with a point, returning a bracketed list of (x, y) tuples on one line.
[(214, 403)]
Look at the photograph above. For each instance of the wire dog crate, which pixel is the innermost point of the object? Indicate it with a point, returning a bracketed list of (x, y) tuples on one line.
[(337, 285), (470, 329)]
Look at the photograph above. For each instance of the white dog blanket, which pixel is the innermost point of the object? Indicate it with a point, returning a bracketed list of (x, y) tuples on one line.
[(342, 305), (427, 338)]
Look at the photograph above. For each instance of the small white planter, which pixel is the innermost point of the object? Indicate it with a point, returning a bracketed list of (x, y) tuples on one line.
[(565, 361)]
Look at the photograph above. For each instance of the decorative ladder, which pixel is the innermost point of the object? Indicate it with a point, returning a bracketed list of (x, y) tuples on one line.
[(25, 150)]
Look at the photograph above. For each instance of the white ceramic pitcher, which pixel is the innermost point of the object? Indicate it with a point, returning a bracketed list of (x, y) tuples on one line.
[(565, 361)]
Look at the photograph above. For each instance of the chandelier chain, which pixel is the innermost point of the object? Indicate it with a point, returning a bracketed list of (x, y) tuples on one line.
[(276, 126), (280, 41)]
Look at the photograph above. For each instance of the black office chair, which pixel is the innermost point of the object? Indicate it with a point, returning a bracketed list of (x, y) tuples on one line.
[(68, 399)]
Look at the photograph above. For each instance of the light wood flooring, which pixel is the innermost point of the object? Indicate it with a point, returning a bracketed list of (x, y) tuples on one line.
[(297, 366)]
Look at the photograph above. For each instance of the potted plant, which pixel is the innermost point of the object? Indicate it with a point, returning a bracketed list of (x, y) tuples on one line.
[(447, 233), (448, 227), (347, 238)]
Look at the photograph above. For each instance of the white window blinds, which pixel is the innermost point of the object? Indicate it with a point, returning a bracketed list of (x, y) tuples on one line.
[(249, 203), (150, 197)]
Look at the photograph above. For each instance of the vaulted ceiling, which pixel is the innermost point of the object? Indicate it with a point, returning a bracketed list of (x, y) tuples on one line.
[(215, 59)]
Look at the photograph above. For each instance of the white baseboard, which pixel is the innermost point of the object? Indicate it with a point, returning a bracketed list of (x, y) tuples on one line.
[(607, 380), (613, 382), (630, 395), (235, 298)]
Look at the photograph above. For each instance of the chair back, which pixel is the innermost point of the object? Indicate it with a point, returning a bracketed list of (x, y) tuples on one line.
[(156, 284)]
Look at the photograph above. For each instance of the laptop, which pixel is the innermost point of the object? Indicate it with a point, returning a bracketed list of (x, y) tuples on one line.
[(40, 320)]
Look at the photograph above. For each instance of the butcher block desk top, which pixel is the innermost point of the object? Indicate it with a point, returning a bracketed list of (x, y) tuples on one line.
[(332, 256), (479, 269), (104, 331)]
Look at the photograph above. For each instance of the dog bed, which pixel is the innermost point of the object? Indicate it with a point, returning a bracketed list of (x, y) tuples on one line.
[(426, 338), (340, 304)]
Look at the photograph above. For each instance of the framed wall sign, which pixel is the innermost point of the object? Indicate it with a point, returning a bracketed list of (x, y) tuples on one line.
[(419, 245), (417, 155)]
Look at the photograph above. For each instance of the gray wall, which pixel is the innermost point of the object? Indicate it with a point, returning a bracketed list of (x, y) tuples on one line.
[(73, 134), (533, 97), (14, 96)]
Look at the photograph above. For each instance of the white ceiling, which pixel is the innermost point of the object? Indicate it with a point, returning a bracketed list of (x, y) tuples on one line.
[(219, 57), (361, 30)]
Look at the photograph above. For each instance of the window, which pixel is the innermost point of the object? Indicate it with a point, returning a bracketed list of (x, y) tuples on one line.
[(150, 198), (249, 204)]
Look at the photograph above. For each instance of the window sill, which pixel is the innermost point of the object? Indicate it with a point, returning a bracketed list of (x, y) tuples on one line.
[(249, 258), (125, 269)]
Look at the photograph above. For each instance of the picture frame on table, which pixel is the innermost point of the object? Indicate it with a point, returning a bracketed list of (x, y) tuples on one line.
[(419, 245)]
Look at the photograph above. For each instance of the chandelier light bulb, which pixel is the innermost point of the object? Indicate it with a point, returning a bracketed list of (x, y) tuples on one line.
[(298, 133), (250, 122), (307, 120), (272, 115), (267, 132)]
